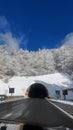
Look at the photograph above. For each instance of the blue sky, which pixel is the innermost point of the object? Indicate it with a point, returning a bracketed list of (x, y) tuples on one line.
[(37, 23)]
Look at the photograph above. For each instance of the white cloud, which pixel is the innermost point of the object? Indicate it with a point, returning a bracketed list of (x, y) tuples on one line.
[(7, 37), (68, 41), (12, 42), (4, 24)]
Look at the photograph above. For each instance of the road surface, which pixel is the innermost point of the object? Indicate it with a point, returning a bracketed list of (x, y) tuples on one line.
[(40, 112)]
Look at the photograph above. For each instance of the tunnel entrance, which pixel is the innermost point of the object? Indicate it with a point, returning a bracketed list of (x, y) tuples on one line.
[(37, 90)]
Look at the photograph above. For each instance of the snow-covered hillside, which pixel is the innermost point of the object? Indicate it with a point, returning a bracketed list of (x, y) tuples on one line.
[(34, 63), (53, 82)]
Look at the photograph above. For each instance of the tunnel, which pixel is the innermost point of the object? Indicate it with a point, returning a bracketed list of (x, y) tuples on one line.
[(37, 90)]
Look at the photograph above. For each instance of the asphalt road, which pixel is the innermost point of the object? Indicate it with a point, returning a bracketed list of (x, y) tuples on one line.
[(34, 111)]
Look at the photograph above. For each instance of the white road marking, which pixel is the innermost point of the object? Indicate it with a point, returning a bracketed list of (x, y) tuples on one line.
[(7, 115), (62, 110)]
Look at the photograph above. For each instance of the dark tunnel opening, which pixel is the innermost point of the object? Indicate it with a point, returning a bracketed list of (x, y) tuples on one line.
[(37, 90)]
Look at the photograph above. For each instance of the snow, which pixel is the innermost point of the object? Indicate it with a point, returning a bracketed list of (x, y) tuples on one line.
[(56, 81), (56, 78), (3, 88), (20, 84), (65, 102), (33, 63)]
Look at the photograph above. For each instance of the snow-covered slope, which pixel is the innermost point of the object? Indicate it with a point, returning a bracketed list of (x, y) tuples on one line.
[(34, 63), (53, 82)]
